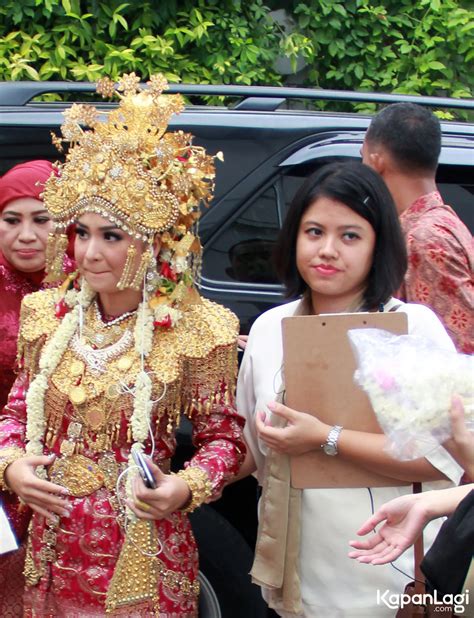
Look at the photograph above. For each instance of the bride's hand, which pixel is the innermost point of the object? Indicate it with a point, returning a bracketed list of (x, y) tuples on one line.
[(171, 494), (47, 499)]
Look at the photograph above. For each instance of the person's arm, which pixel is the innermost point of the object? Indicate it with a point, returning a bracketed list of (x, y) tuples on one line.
[(404, 519), (461, 444), (217, 436), (17, 470), (242, 341), (441, 278), (247, 468), (304, 433)]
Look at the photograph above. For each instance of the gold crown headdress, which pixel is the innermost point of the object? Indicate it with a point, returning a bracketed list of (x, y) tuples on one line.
[(127, 168)]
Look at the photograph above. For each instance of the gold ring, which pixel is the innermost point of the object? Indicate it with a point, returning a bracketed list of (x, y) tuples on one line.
[(143, 506)]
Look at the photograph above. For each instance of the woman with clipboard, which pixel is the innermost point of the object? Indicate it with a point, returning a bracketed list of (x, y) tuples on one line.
[(341, 249)]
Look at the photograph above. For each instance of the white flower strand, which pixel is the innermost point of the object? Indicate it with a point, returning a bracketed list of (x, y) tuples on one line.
[(143, 331), (49, 360), (141, 407), (50, 357)]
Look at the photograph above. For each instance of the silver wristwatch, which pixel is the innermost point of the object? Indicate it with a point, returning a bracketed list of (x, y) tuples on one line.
[(330, 446)]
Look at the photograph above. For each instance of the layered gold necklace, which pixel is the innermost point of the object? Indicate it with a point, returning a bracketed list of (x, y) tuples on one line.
[(99, 343)]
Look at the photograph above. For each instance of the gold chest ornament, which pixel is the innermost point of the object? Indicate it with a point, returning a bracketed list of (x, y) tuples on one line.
[(79, 474)]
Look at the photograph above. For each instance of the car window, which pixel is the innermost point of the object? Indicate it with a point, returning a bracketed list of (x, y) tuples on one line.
[(456, 185), (242, 251)]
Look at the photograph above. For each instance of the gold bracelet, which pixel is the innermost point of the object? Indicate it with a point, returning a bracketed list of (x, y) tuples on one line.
[(7, 456), (199, 485)]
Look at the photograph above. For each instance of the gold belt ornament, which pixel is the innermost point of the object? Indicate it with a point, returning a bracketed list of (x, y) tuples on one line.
[(77, 473)]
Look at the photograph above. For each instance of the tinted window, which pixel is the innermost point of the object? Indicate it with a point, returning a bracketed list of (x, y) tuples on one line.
[(456, 185), (242, 250)]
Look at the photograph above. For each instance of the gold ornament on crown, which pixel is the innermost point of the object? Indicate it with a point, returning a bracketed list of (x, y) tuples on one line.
[(124, 166)]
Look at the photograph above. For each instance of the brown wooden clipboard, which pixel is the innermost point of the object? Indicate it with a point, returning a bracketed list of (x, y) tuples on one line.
[(319, 367)]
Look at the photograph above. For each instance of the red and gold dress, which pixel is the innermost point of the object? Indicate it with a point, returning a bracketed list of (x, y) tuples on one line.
[(97, 560), (14, 285)]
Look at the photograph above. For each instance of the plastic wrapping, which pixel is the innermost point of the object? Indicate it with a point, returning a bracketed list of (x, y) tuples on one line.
[(410, 384)]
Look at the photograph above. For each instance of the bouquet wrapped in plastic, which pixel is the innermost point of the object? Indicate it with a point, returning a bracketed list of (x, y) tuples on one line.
[(410, 384)]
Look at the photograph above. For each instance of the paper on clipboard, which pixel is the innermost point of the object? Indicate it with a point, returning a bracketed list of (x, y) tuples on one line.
[(7, 538), (319, 367)]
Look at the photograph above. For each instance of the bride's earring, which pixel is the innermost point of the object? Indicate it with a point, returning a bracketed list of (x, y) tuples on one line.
[(145, 260), (127, 276), (55, 250)]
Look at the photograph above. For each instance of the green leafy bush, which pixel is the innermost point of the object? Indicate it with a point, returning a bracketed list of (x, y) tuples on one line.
[(398, 46), (422, 47), (208, 41)]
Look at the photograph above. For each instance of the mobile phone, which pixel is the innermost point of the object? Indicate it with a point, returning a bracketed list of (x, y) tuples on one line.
[(144, 470)]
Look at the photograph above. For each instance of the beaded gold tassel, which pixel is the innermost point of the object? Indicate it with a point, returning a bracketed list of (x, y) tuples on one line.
[(128, 270), (55, 250), (137, 282)]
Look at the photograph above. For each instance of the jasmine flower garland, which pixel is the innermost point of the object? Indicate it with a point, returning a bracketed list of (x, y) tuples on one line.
[(49, 360)]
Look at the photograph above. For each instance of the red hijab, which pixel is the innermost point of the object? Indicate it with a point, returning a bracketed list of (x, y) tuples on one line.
[(24, 180)]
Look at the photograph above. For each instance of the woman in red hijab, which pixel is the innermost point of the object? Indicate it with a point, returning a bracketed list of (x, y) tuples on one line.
[(24, 228)]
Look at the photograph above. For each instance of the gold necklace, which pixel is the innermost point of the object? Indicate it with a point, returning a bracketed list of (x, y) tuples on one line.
[(100, 334)]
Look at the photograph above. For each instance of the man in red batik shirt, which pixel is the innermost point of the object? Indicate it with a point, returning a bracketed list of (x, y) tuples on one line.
[(402, 144)]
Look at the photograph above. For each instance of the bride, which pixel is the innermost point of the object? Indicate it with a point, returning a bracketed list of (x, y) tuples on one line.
[(110, 360)]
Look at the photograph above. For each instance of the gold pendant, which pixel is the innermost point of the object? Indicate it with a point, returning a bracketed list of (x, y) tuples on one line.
[(125, 363), (79, 474), (67, 448), (77, 395), (95, 417), (113, 391), (100, 443), (77, 368)]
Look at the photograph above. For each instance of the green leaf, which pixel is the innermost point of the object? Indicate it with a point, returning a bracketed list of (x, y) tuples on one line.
[(435, 64), (31, 72), (339, 8), (121, 20)]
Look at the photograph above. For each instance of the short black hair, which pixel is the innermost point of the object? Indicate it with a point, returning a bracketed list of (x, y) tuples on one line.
[(361, 189), (410, 133)]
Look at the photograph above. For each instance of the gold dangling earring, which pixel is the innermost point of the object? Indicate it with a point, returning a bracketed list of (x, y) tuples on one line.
[(137, 282), (126, 278), (55, 250)]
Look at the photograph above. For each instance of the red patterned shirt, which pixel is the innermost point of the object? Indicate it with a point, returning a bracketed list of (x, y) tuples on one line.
[(440, 264)]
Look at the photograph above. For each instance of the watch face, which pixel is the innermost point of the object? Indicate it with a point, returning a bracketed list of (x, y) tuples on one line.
[(330, 449)]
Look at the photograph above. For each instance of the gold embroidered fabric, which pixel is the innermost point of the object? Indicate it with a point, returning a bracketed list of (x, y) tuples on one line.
[(194, 367), (8, 456), (135, 576), (199, 485)]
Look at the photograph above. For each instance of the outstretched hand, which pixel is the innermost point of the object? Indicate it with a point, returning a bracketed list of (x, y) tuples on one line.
[(171, 493), (301, 434), (404, 519)]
